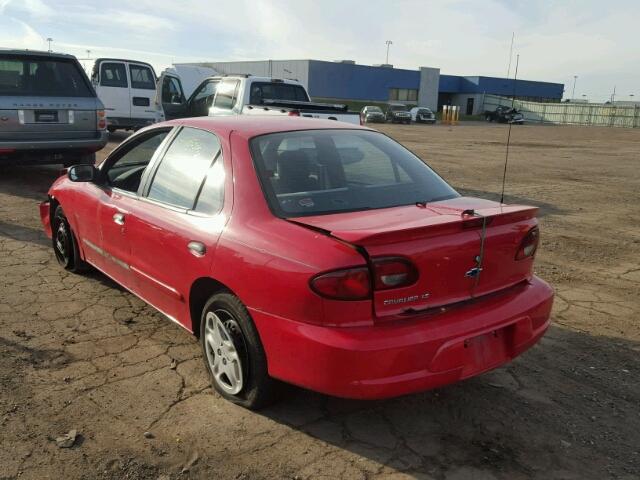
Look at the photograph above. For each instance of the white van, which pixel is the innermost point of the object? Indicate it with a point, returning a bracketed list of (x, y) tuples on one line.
[(128, 90)]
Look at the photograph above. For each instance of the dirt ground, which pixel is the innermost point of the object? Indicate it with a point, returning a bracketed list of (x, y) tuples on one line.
[(79, 352)]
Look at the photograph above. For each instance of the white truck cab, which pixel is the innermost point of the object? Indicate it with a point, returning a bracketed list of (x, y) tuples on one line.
[(244, 95), (128, 90)]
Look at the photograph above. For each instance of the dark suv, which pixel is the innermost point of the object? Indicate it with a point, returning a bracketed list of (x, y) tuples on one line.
[(49, 112), (398, 113)]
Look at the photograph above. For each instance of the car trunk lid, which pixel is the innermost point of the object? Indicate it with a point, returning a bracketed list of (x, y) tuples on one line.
[(443, 240)]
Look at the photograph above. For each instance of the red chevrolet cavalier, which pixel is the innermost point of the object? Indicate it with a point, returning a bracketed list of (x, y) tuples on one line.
[(308, 251)]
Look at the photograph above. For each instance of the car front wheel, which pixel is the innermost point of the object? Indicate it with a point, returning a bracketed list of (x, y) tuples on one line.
[(233, 353), (65, 246)]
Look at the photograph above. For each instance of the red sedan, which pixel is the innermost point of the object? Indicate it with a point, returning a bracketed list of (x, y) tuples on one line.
[(307, 251)]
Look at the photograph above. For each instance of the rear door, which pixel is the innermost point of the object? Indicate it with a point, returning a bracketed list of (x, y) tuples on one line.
[(143, 91), (173, 233), (44, 98), (113, 90)]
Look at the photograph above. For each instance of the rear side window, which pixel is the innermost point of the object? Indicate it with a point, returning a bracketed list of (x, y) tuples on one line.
[(142, 77), (113, 75), (261, 91), (226, 94), (329, 171), (184, 167), (41, 77)]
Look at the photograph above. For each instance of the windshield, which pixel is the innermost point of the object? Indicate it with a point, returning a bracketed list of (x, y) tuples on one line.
[(374, 109), (318, 172), (277, 91), (41, 77), (398, 108)]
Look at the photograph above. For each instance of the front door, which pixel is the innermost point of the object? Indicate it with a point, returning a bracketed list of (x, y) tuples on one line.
[(174, 103), (123, 171), (470, 106)]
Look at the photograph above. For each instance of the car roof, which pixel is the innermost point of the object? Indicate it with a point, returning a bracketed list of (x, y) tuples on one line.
[(249, 126), (35, 53)]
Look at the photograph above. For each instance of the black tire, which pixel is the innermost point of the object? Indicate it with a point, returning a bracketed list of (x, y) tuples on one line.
[(65, 245), (257, 389)]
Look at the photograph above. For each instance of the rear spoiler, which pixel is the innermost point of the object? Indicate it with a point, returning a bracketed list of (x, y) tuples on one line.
[(449, 221), (307, 106)]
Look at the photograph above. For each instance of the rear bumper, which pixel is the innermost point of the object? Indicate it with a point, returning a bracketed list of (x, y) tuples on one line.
[(44, 152), (419, 354)]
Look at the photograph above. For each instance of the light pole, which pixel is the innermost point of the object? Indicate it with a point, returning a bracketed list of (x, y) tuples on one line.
[(573, 94), (389, 43), (49, 39)]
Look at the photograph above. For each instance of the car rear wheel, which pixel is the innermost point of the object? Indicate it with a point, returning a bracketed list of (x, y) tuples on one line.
[(233, 353), (64, 242)]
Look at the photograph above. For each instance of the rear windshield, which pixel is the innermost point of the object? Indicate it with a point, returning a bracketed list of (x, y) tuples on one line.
[(41, 77), (276, 91), (329, 171)]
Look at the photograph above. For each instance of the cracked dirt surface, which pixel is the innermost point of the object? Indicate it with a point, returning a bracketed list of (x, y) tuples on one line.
[(79, 352)]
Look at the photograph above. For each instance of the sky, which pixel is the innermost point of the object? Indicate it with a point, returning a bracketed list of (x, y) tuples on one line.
[(556, 40)]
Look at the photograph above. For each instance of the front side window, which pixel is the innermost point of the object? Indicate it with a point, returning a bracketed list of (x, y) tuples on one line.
[(328, 171), (41, 77), (126, 172), (142, 77), (113, 75), (185, 165)]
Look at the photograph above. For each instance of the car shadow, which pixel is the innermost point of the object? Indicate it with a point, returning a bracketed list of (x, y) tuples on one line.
[(31, 182), (545, 208), (557, 409), (24, 234)]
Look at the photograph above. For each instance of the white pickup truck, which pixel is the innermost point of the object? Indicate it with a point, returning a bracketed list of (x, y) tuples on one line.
[(244, 95)]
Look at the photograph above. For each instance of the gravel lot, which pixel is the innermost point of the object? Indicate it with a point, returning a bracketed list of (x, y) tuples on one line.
[(79, 352)]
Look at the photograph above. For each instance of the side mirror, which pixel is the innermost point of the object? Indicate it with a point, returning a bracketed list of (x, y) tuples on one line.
[(83, 173)]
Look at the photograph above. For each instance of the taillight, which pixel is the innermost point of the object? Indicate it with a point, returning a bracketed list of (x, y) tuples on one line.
[(294, 113), (102, 119), (346, 284), (393, 272), (355, 283), (529, 244)]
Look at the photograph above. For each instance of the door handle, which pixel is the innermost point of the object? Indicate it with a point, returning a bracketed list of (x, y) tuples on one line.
[(118, 218), (197, 248)]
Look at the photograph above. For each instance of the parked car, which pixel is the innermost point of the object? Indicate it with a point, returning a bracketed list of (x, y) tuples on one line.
[(504, 114), (308, 251), (127, 88), (372, 114), (246, 95), (422, 115), (398, 113), (49, 112)]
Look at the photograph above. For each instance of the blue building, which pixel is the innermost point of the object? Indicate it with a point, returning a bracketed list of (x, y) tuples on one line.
[(347, 81)]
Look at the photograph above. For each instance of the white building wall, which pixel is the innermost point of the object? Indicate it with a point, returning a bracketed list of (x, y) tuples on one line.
[(291, 69), (429, 84), (461, 99)]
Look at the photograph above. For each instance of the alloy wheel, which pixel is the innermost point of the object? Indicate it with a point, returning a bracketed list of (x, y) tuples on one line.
[(224, 347)]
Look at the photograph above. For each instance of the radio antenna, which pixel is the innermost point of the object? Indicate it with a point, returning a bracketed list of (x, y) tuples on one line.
[(506, 157)]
